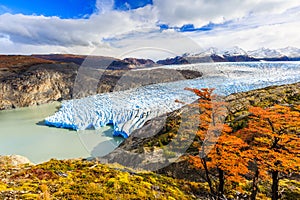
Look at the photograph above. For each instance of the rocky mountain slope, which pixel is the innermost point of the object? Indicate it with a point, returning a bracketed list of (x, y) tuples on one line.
[(14, 62), (142, 149)]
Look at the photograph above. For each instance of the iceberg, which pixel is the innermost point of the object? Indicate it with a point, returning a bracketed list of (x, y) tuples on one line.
[(130, 109)]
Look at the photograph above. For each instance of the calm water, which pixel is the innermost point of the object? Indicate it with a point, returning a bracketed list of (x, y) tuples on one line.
[(22, 132)]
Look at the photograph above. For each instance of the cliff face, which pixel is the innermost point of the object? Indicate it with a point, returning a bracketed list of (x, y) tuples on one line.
[(37, 85)]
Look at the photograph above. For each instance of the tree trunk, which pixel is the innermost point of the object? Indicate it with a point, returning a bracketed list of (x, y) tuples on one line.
[(275, 182), (221, 181), (275, 179), (207, 176), (254, 185)]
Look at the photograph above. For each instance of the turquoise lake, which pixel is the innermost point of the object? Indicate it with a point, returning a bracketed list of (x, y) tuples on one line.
[(22, 132)]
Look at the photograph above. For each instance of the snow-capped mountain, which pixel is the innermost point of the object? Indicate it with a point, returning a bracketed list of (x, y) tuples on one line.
[(208, 52), (262, 53), (291, 52), (265, 53), (234, 51), (234, 54)]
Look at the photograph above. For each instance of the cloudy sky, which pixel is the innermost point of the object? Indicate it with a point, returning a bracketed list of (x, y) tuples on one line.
[(125, 28)]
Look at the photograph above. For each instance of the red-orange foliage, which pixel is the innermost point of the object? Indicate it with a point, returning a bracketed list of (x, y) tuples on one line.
[(273, 135), (270, 144), (218, 149)]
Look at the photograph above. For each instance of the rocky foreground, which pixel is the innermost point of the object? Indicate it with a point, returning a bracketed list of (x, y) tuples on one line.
[(79, 179)]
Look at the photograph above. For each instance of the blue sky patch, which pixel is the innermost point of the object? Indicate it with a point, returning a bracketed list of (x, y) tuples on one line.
[(191, 28), (130, 4), (64, 9)]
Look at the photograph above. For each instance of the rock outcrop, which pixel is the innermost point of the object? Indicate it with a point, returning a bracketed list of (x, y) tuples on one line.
[(14, 160), (39, 84), (284, 95)]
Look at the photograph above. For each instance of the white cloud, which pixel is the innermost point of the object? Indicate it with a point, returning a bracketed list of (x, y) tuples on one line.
[(270, 36), (200, 12), (276, 30), (8, 47), (253, 23), (68, 32), (252, 32), (153, 44), (28, 34), (104, 6)]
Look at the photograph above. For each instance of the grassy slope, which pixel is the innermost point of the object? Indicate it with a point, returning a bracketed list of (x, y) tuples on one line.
[(77, 179)]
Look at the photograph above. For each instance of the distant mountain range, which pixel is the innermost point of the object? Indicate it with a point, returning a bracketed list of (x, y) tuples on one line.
[(235, 54)]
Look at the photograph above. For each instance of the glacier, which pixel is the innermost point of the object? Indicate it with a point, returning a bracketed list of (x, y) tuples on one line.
[(129, 110)]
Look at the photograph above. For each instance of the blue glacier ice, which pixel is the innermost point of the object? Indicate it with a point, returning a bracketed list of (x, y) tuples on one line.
[(129, 110)]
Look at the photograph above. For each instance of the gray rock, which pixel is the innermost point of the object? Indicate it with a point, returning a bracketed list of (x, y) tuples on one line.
[(14, 160)]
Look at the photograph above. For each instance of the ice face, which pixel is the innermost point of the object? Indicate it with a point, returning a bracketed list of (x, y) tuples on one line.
[(126, 110), (129, 110)]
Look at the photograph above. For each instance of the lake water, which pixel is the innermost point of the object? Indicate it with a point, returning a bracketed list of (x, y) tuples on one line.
[(22, 132)]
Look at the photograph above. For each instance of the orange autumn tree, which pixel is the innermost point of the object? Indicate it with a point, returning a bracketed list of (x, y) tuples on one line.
[(273, 137), (219, 151)]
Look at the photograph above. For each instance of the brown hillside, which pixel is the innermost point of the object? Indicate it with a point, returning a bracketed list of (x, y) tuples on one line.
[(14, 61)]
